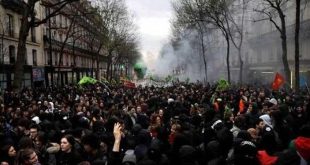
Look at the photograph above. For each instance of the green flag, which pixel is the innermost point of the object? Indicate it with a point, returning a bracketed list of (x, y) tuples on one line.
[(222, 85), (87, 80)]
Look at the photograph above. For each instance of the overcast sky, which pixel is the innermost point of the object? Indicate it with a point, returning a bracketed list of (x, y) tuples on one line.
[(152, 18)]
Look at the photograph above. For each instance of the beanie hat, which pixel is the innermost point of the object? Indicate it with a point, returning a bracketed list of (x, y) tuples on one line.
[(140, 151), (267, 120), (273, 101), (302, 145), (213, 149), (186, 152), (129, 157), (92, 140), (217, 125), (36, 119), (246, 149)]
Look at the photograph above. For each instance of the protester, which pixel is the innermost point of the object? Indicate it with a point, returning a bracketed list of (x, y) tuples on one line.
[(8, 154), (178, 124), (27, 157)]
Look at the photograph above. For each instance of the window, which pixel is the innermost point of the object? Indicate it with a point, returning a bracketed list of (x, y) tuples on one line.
[(3, 80), (65, 59), (47, 11), (33, 34), (12, 54), (60, 37), (10, 25), (26, 56), (66, 22), (54, 21), (34, 57), (60, 21), (1, 54), (47, 57)]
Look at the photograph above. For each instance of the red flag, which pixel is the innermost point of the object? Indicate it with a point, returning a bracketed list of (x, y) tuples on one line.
[(278, 81), (241, 106)]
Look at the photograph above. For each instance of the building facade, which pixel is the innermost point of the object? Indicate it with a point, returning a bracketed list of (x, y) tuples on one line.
[(262, 53), (59, 52), (261, 47), (10, 21), (72, 45)]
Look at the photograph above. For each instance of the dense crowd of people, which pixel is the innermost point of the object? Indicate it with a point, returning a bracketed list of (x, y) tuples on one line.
[(186, 124)]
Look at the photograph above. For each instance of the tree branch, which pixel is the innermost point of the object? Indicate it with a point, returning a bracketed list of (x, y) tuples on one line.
[(55, 12)]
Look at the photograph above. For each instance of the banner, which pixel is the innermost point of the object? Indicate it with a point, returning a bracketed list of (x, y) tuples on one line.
[(129, 84), (278, 81), (38, 74)]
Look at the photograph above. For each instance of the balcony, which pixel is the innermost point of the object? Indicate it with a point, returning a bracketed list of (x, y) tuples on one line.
[(14, 5)]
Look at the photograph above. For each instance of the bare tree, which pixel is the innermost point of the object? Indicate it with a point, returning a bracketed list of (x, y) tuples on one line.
[(2, 33), (119, 27), (69, 33), (189, 15), (274, 9), (28, 21), (2, 50), (236, 32), (127, 53), (216, 11)]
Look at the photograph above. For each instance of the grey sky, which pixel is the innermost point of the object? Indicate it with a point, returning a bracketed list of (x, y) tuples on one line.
[(152, 18)]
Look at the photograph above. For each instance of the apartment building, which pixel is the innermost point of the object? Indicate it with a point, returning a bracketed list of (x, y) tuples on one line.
[(59, 52), (261, 47), (72, 44), (10, 20)]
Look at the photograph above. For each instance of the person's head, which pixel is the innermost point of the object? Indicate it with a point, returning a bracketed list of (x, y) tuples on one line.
[(132, 111), (155, 119), (23, 125), (8, 151), (299, 107), (67, 143), (25, 142), (40, 140), (91, 142), (78, 108), (139, 110), (260, 124), (239, 121), (253, 133), (161, 113), (11, 151), (175, 128), (26, 157), (34, 129), (244, 153)]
